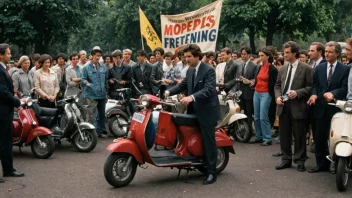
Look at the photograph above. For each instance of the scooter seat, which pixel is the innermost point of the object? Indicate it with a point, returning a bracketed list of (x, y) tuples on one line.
[(48, 111), (185, 119)]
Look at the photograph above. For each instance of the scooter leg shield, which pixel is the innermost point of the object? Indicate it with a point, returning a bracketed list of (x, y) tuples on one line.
[(237, 116), (38, 131), (343, 149), (127, 146)]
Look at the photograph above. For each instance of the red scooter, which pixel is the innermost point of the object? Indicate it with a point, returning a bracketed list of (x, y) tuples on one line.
[(27, 132), (127, 153)]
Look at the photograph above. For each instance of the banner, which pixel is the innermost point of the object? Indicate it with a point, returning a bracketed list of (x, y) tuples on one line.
[(148, 32), (200, 27)]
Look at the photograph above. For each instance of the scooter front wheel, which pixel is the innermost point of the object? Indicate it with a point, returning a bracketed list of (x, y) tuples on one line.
[(89, 141), (43, 147), (342, 173), (240, 131), (117, 172)]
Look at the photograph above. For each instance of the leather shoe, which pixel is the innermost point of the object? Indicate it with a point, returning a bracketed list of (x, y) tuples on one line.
[(14, 174), (255, 141), (318, 169), (301, 168), (277, 154), (209, 180), (2, 180), (283, 166)]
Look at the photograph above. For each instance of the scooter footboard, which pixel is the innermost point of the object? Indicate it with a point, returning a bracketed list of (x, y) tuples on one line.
[(36, 132), (223, 140), (126, 146)]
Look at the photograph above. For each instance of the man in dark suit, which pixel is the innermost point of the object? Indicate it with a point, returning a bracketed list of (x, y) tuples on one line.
[(141, 74), (329, 84), (157, 72), (249, 71), (202, 100), (292, 107), (232, 71), (7, 103), (121, 72)]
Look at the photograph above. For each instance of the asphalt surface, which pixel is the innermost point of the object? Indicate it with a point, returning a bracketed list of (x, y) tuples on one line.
[(250, 173)]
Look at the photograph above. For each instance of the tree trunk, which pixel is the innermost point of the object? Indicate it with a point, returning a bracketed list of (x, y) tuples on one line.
[(271, 23), (41, 46), (252, 38)]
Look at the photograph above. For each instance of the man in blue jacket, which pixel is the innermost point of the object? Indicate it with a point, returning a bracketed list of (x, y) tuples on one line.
[(94, 78)]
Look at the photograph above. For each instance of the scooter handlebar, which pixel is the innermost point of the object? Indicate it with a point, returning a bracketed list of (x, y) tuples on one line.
[(168, 104)]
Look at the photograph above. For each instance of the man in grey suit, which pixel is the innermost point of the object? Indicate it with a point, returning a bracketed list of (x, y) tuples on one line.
[(231, 72), (292, 108), (249, 71)]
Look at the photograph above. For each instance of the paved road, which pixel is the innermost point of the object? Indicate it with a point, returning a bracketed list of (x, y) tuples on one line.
[(250, 173)]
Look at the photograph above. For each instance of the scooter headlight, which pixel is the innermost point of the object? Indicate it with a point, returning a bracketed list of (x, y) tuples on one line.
[(29, 102), (144, 100), (348, 107)]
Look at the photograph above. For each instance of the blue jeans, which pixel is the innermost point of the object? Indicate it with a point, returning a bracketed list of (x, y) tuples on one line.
[(261, 102)]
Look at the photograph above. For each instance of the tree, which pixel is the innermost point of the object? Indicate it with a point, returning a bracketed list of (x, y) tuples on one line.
[(42, 22)]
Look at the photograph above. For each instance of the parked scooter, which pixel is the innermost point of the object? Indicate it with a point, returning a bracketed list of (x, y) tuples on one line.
[(120, 167), (341, 143), (232, 118), (27, 132), (66, 122)]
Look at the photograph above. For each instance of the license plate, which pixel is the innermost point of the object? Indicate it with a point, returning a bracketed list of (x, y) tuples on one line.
[(138, 117)]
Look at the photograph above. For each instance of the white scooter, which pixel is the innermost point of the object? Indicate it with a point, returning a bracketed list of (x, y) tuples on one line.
[(341, 143), (232, 117)]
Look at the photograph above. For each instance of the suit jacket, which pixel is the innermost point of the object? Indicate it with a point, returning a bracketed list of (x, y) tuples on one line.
[(144, 77), (302, 83), (338, 87), (231, 72), (124, 75), (206, 105), (7, 99), (249, 73)]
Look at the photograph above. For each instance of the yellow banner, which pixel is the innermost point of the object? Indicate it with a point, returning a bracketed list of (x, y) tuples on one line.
[(148, 32)]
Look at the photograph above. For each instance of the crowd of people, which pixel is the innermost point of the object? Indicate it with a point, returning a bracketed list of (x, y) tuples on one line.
[(286, 90)]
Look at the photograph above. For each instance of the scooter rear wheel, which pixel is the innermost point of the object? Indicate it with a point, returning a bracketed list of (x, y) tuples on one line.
[(115, 126), (114, 171), (221, 162), (240, 131), (45, 150), (342, 173)]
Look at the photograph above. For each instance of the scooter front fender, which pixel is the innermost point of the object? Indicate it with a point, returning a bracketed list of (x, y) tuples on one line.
[(223, 140), (36, 132), (124, 145), (86, 125), (237, 116), (343, 149)]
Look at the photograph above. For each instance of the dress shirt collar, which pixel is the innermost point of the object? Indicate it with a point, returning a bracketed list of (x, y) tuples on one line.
[(318, 61), (198, 66), (3, 64), (295, 64)]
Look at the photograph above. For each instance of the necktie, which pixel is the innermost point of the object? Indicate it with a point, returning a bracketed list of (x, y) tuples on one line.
[(287, 84), (330, 75), (193, 78), (244, 68), (315, 64)]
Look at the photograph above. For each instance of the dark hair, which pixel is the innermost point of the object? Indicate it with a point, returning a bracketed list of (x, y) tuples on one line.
[(247, 49), (180, 53), (94, 51), (227, 50), (210, 53), (3, 48), (43, 58), (168, 54), (106, 56), (142, 53), (73, 55), (60, 55), (293, 46), (194, 49), (343, 56), (150, 55), (320, 47), (269, 53), (159, 49), (117, 53), (305, 52), (36, 57), (280, 60)]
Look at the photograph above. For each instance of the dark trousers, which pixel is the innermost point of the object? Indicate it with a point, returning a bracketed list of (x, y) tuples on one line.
[(289, 127), (247, 106), (6, 145), (210, 149), (312, 120), (321, 140), (46, 103)]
